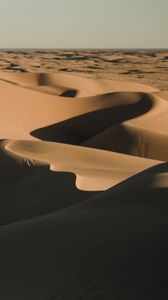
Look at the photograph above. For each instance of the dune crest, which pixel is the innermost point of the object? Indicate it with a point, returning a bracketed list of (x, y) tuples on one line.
[(127, 122), (94, 169)]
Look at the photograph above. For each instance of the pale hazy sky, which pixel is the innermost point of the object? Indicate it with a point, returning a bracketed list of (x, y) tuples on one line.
[(84, 23)]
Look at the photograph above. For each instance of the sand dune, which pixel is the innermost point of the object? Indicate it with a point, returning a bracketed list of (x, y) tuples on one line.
[(94, 169), (60, 84), (113, 245), (84, 184)]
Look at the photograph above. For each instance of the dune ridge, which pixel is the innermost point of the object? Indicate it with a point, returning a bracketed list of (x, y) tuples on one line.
[(84, 186), (76, 120)]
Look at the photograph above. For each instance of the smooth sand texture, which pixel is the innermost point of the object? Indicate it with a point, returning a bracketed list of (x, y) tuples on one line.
[(84, 188), (76, 120)]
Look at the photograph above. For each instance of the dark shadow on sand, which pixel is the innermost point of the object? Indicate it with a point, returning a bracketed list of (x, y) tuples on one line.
[(79, 129)]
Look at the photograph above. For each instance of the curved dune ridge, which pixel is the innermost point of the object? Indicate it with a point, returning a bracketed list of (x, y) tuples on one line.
[(121, 118), (95, 227)]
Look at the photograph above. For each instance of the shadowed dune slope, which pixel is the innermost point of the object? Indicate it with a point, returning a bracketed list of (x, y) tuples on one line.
[(31, 191), (84, 188), (113, 245), (121, 106)]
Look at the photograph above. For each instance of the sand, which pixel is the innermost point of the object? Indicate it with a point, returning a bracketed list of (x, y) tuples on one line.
[(84, 180), (149, 67)]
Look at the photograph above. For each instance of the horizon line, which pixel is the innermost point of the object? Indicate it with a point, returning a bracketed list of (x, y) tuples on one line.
[(85, 48)]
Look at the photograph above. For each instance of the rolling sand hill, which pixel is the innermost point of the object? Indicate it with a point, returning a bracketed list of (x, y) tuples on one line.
[(84, 187)]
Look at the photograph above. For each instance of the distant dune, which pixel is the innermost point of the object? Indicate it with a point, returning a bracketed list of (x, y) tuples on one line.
[(144, 66), (84, 187)]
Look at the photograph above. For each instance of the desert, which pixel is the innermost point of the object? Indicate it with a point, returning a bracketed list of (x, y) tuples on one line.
[(84, 174)]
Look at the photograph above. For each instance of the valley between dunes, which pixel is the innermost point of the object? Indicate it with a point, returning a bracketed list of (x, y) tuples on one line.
[(84, 188)]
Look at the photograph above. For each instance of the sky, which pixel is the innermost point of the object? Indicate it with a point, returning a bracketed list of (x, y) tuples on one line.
[(83, 23)]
